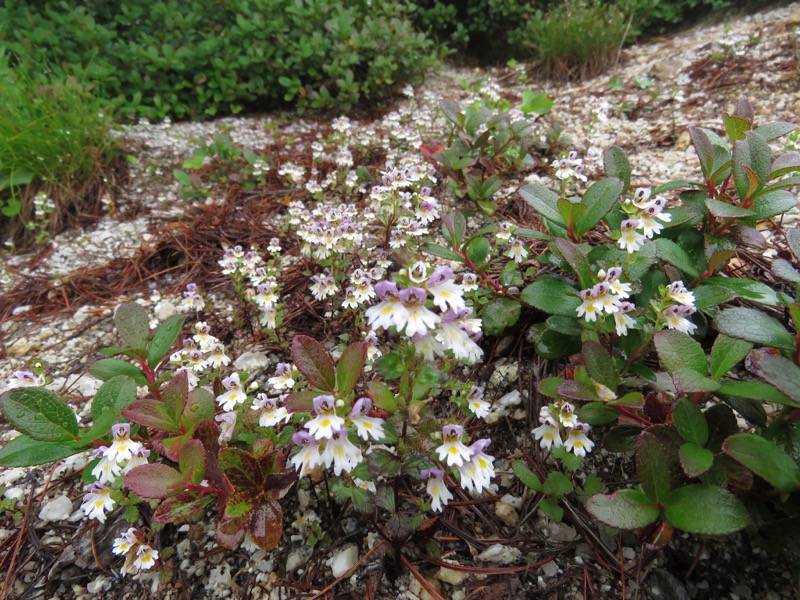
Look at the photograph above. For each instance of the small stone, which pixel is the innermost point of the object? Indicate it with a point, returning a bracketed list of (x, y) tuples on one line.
[(450, 576), (506, 513), (500, 554), (561, 532), (164, 310), (22, 348), (550, 569), (9, 476), (297, 558), (14, 493), (341, 562), (628, 553), (252, 362), (683, 142), (57, 509)]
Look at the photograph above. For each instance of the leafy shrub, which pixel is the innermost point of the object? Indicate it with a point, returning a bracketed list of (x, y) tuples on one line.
[(202, 58), (656, 16), (56, 154)]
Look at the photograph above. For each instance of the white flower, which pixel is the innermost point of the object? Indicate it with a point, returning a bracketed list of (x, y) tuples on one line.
[(106, 470), (390, 311), (517, 251), (125, 542), (271, 414), (453, 451), (677, 292), (326, 421), (234, 394), (577, 442), (477, 472), (436, 489), (548, 433), (97, 502), (419, 319), (308, 458), (630, 239), (476, 403), (675, 316), (283, 378), (621, 320), (366, 426), (146, 557), (123, 448), (341, 453)]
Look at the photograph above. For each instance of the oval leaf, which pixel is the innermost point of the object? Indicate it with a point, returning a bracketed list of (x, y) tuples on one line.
[(166, 333), (155, 480), (695, 460), (133, 324), (626, 509), (40, 414), (726, 353), (752, 325), (24, 451), (678, 350), (600, 198), (706, 510), (765, 459), (552, 295), (314, 362), (777, 371), (350, 366)]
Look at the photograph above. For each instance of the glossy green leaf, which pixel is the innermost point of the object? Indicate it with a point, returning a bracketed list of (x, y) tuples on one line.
[(677, 350), (499, 315), (689, 381), (133, 324), (600, 365), (726, 353), (454, 225), (755, 390), (695, 460), (625, 509), (441, 252), (106, 368), (711, 295), (478, 250), (600, 198), (151, 413), (765, 459), (576, 259), (597, 413), (773, 203), (552, 295), (164, 337), (783, 269), (350, 365), (705, 510), (543, 201), (672, 253), (24, 451), (39, 414), (616, 164), (690, 422), (382, 396), (725, 210), (754, 326), (113, 395)]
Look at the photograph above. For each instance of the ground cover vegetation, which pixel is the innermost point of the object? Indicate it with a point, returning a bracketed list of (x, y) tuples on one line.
[(384, 284)]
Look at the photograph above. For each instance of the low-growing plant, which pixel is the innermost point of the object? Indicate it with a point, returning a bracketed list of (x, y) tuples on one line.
[(57, 153)]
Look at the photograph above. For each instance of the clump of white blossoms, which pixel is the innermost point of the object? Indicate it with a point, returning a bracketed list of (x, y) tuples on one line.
[(139, 556), (677, 306), (560, 427), (433, 333), (608, 297), (255, 280), (643, 219)]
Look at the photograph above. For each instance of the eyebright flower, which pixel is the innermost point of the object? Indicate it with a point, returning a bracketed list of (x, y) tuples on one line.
[(97, 502), (476, 403), (322, 426), (217, 357), (517, 251), (366, 426), (675, 316), (436, 488), (453, 451), (577, 442), (192, 300), (24, 379), (227, 422), (477, 472), (390, 311), (123, 448), (567, 415), (106, 470), (419, 318), (283, 378), (308, 457), (548, 433), (630, 239), (341, 453), (446, 292), (621, 320), (469, 282), (234, 395), (677, 292), (146, 557), (271, 414), (125, 542)]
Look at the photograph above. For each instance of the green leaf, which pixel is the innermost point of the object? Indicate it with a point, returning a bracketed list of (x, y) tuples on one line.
[(535, 102), (695, 460), (453, 227), (735, 127), (526, 476), (725, 210), (106, 368), (689, 381), (726, 353), (773, 203), (24, 451), (626, 509), (793, 239), (350, 366), (600, 198), (39, 414), (776, 370), (427, 377), (774, 130), (755, 390), (384, 462), (241, 468), (600, 365), (765, 459), (114, 395), (314, 362), (616, 165), (783, 269), (752, 325), (711, 295), (576, 259), (557, 485), (478, 250), (500, 314), (672, 253), (677, 350), (382, 396), (690, 422), (653, 467), (391, 365), (441, 252), (552, 509), (181, 508), (705, 510), (570, 211), (552, 295), (597, 413), (543, 201), (266, 525), (621, 438), (133, 324), (174, 395), (166, 333), (703, 148)]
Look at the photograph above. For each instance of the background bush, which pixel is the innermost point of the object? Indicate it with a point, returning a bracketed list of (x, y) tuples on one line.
[(196, 58)]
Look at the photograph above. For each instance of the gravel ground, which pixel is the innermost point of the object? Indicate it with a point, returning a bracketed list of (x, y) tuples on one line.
[(643, 105)]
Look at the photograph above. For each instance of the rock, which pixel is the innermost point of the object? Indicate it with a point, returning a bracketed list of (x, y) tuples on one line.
[(666, 70), (22, 348), (500, 554), (252, 362), (416, 588), (550, 569), (297, 558), (683, 142), (57, 509), (506, 513), (560, 532), (341, 562), (450, 576), (9, 476)]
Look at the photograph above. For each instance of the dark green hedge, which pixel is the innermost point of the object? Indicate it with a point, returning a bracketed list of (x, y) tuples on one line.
[(196, 58)]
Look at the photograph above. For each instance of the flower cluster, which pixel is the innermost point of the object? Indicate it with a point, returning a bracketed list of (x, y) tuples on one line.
[(263, 288), (406, 310), (139, 556), (679, 306), (569, 167), (644, 214), (608, 297), (560, 427), (326, 441), (201, 353)]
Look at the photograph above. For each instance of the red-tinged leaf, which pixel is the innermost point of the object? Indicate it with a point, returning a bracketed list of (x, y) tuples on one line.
[(600, 365), (653, 466), (173, 446), (314, 362), (266, 525), (350, 365), (150, 413), (578, 390), (776, 370), (233, 520), (199, 407), (300, 401), (626, 509), (382, 396), (175, 394), (193, 461), (241, 468), (208, 433), (185, 507), (428, 150), (277, 485), (155, 480)]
